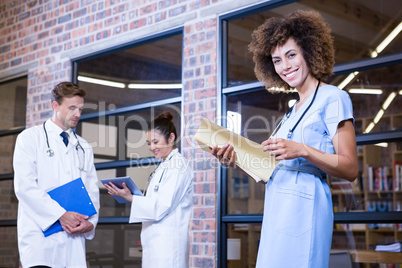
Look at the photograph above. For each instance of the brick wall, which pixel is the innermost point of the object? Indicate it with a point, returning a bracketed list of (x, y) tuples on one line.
[(41, 37), (199, 100)]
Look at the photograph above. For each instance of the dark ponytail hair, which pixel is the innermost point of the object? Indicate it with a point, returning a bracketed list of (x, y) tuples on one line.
[(164, 124)]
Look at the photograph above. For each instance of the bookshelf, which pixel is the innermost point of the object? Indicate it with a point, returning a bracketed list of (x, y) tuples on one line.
[(377, 188)]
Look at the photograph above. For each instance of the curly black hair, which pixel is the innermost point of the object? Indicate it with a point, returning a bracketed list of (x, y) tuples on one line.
[(310, 32)]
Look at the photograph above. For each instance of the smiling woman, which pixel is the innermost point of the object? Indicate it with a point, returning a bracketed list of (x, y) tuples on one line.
[(162, 135), (165, 208), (288, 53)]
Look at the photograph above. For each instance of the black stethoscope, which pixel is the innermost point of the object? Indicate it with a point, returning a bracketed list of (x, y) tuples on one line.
[(156, 188), (78, 147), (288, 113)]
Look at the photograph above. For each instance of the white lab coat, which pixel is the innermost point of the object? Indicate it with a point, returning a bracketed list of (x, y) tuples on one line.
[(35, 174), (165, 214)]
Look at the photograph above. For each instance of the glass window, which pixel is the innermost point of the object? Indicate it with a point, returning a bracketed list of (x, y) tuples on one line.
[(131, 86), (260, 112), (123, 137), (360, 244), (367, 244), (245, 196), (9, 256), (8, 202), (115, 246), (7, 144), (378, 185), (360, 29), (139, 74), (376, 96), (242, 244), (13, 103)]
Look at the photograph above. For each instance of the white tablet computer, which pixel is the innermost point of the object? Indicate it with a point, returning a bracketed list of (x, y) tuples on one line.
[(118, 182)]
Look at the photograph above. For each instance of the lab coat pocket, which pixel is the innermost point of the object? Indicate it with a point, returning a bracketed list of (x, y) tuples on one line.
[(293, 211)]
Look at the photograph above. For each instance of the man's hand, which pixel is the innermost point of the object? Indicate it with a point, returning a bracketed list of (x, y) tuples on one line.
[(75, 223)]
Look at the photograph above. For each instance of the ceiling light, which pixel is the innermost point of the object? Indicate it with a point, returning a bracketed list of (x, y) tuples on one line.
[(369, 127), (155, 86), (400, 92), (347, 80), (387, 40), (365, 91), (382, 144), (388, 101), (378, 116), (101, 82)]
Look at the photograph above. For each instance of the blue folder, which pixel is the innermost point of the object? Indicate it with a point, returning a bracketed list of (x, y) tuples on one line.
[(72, 196), (118, 182)]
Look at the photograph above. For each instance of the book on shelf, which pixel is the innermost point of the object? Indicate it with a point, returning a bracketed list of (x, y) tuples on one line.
[(380, 179), (397, 175), (370, 178), (250, 156), (394, 247)]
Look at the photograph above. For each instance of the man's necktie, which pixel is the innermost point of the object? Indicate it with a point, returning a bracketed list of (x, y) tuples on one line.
[(65, 137)]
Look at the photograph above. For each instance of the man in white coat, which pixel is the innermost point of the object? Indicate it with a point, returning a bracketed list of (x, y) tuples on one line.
[(42, 162)]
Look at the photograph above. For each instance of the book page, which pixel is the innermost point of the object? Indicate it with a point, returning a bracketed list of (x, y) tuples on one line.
[(249, 154)]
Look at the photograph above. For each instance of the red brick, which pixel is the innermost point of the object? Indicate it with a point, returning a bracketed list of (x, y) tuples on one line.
[(199, 236), (204, 213), (138, 23), (148, 9)]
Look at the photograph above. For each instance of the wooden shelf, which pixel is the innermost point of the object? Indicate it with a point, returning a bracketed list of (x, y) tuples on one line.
[(368, 256)]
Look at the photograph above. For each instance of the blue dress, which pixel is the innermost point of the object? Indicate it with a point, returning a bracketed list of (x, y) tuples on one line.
[(298, 217)]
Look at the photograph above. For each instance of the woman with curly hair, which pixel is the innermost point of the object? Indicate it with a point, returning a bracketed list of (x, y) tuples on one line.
[(315, 138)]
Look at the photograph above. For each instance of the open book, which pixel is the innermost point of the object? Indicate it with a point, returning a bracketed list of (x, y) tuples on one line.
[(249, 155)]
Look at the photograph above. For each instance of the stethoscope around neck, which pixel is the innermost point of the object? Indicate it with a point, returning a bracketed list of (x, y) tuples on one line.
[(288, 113), (156, 187), (78, 148)]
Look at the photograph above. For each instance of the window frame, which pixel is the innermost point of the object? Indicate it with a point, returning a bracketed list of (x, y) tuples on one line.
[(13, 130), (125, 110)]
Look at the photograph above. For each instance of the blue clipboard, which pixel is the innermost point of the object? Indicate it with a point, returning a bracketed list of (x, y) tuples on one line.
[(72, 196), (118, 182)]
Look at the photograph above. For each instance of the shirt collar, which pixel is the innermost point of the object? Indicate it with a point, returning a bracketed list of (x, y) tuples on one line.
[(52, 127), (172, 153)]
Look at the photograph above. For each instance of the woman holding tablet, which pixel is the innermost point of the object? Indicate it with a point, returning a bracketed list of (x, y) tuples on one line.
[(165, 208)]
